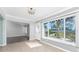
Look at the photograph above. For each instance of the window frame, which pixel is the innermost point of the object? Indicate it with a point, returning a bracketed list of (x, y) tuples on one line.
[(64, 39)]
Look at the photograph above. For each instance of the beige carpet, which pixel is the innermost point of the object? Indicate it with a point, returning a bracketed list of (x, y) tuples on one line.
[(33, 44), (23, 47)]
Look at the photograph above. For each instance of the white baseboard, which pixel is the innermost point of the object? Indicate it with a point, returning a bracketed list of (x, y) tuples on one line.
[(55, 46), (2, 44)]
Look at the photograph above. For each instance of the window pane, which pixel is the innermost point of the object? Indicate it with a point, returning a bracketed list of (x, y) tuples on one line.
[(60, 27), (56, 28), (46, 29), (52, 29), (70, 29)]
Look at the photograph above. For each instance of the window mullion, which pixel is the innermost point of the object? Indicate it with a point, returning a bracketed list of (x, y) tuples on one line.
[(64, 30)]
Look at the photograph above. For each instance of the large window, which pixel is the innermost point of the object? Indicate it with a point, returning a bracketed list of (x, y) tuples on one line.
[(52, 29), (56, 28), (70, 29), (61, 29)]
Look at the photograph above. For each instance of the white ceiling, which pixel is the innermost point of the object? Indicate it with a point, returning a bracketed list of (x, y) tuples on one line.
[(41, 12)]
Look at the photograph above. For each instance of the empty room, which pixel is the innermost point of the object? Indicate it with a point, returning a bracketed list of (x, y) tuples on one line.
[(39, 29)]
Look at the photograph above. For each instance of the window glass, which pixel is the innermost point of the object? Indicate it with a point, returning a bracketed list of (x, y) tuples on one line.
[(56, 28), (70, 29), (46, 29), (61, 29), (52, 29)]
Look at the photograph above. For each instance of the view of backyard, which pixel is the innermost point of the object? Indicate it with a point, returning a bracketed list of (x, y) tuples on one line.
[(56, 29), (70, 29)]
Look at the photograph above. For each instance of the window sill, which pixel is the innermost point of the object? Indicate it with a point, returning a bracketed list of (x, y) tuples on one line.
[(61, 41)]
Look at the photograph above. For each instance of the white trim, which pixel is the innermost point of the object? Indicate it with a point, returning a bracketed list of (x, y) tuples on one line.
[(61, 41), (7, 15), (64, 30), (3, 44), (50, 15), (64, 40), (22, 20), (60, 16), (55, 46)]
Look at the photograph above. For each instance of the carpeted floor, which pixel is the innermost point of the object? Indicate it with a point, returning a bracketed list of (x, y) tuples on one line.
[(23, 47)]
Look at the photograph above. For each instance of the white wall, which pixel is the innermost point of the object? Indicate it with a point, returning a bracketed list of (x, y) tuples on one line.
[(38, 30), (77, 30), (32, 31), (14, 29), (35, 31)]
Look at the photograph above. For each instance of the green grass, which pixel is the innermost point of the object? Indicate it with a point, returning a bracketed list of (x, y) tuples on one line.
[(56, 34), (71, 36)]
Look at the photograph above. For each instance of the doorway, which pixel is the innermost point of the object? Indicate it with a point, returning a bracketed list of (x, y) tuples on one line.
[(17, 31)]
